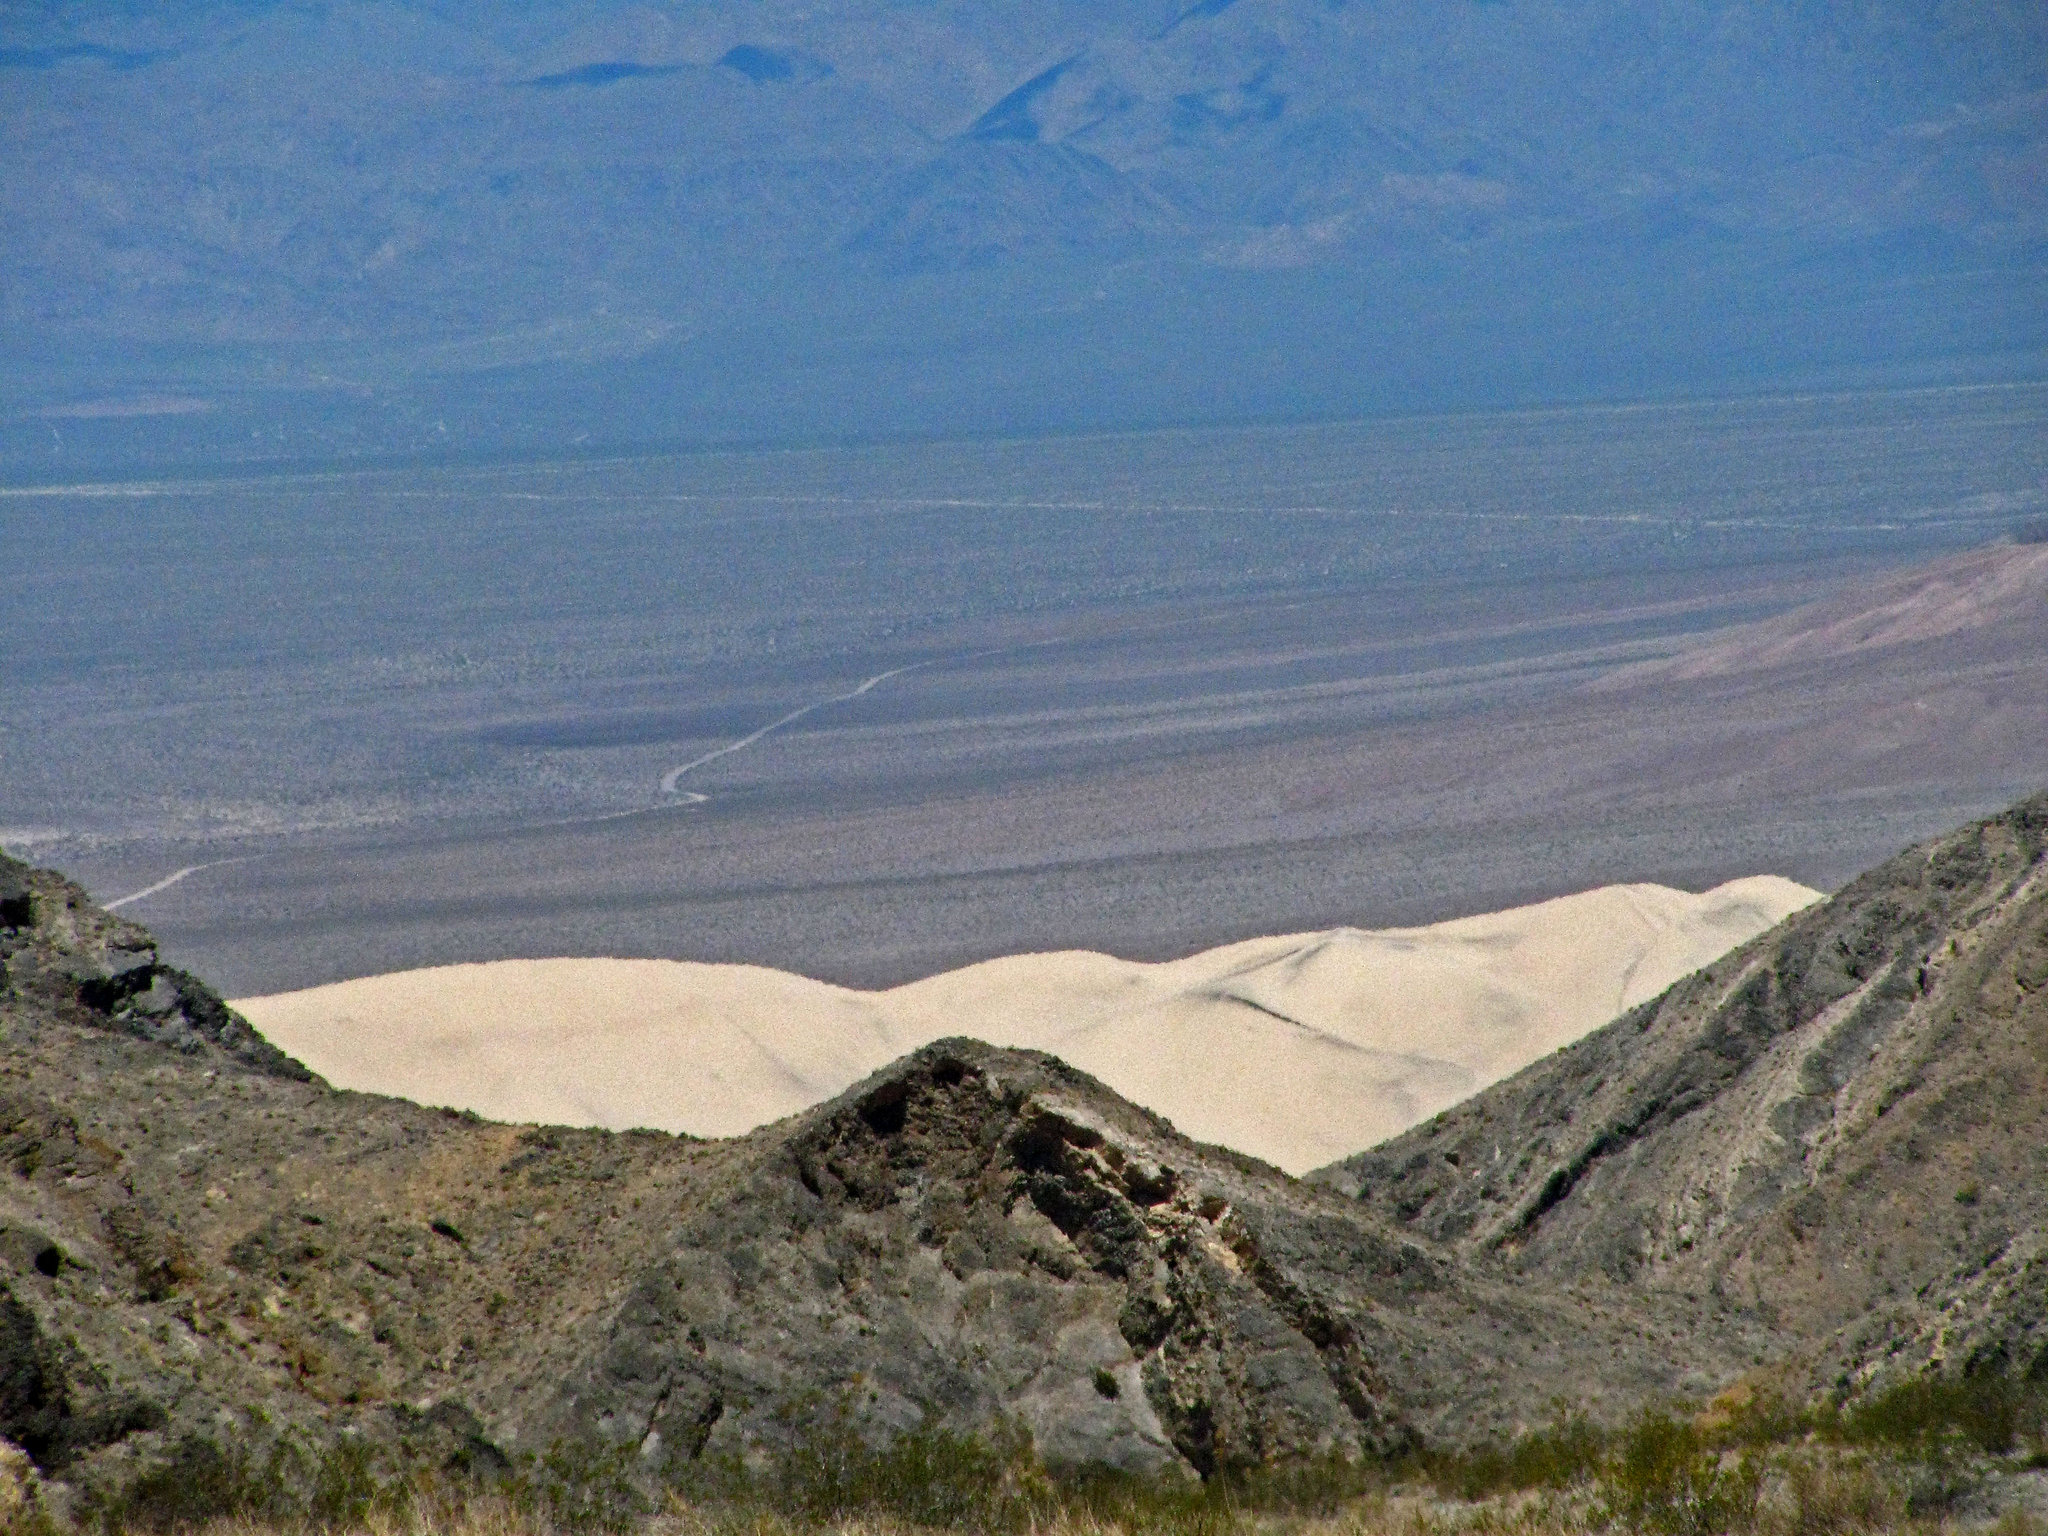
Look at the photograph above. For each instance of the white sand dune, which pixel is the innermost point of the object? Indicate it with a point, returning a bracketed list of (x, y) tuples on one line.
[(1297, 1049)]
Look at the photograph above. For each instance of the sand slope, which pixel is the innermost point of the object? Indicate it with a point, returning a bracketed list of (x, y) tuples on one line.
[(1298, 1049), (2001, 589)]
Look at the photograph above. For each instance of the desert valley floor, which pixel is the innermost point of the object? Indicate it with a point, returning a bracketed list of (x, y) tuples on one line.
[(867, 715)]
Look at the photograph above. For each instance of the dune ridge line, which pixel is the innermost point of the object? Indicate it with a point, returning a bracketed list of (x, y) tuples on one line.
[(1298, 1049)]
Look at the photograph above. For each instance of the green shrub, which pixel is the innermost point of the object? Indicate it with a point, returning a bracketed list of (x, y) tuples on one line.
[(1665, 1477), (1234, 1499), (995, 1482), (582, 1486), (202, 1481), (928, 1477), (197, 1482), (1571, 1450), (1934, 1414), (1319, 1485), (1829, 1496), (1764, 1418), (346, 1489)]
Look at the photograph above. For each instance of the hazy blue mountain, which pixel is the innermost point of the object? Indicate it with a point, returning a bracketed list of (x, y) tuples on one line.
[(368, 225)]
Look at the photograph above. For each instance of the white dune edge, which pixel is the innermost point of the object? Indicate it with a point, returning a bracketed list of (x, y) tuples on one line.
[(1298, 1050)]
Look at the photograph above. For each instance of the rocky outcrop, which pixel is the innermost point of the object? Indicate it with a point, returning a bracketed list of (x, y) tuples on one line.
[(1840, 1130), (64, 958), (202, 1249), (978, 1235)]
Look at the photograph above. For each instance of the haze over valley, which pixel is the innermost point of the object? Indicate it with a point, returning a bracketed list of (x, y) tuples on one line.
[(1141, 694), (256, 232)]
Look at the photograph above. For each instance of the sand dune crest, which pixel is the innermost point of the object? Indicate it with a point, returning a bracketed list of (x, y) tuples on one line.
[(1297, 1049)]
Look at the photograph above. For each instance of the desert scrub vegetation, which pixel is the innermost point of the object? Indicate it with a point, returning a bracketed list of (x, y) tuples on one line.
[(1817, 1498), (1928, 1456)]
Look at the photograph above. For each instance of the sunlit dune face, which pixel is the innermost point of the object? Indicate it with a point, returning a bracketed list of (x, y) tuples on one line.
[(1297, 1049)]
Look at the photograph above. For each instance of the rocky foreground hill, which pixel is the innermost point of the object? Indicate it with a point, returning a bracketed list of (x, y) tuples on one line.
[(1823, 1157), (1839, 1130)]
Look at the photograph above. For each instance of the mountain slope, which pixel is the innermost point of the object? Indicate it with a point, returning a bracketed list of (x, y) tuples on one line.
[(1840, 1129), (201, 1246), (367, 200), (996, 1232), (1823, 1157), (1267, 132)]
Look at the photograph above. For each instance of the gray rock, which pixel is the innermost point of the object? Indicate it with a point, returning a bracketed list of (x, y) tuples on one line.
[(1840, 1131)]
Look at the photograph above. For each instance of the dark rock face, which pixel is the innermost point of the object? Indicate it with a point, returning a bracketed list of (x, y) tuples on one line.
[(70, 959), (1842, 1127), (167, 1279), (977, 1235)]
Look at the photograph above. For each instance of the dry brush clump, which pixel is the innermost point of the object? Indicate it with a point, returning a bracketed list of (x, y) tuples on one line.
[(1917, 1457), (1661, 1475)]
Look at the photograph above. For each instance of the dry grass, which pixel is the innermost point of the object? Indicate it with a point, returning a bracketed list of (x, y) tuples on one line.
[(1804, 1496), (1911, 1461), (1396, 1515)]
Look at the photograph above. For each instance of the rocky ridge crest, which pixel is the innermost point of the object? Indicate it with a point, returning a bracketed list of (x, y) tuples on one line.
[(1841, 1129), (203, 1244)]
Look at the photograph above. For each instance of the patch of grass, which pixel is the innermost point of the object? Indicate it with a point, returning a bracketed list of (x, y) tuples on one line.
[(1756, 1464), (928, 1477), (1933, 1415), (1666, 1477), (198, 1482), (1571, 1450), (1309, 1489), (579, 1486), (1831, 1496), (1758, 1420), (335, 1487), (1662, 1473)]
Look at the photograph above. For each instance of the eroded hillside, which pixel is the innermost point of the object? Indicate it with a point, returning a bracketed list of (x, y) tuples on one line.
[(202, 1241), (1841, 1129)]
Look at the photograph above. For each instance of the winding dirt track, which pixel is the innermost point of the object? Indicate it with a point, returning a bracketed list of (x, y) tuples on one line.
[(168, 881), (673, 777)]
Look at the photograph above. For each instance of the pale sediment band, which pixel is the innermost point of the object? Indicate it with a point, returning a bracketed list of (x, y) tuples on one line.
[(1298, 1049)]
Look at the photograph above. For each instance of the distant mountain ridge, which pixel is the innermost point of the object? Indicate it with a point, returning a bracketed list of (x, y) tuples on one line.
[(351, 198)]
